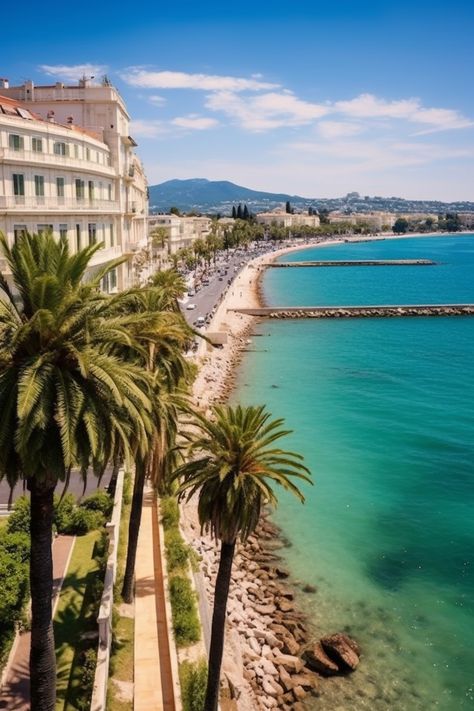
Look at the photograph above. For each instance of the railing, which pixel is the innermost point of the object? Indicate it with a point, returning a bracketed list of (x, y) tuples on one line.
[(106, 255), (22, 203), (46, 159)]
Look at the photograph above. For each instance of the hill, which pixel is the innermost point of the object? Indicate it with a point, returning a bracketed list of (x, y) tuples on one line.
[(218, 196)]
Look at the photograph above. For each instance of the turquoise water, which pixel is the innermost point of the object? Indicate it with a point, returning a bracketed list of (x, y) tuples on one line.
[(382, 410)]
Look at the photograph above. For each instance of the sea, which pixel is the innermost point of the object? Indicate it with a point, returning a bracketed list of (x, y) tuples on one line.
[(382, 410)]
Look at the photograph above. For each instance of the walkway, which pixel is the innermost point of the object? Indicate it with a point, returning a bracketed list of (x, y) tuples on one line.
[(153, 687), (15, 694)]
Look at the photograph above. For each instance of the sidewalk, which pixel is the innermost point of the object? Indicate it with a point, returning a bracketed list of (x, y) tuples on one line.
[(153, 683), (15, 693)]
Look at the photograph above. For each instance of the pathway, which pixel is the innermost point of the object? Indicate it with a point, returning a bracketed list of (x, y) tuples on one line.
[(15, 694), (153, 682)]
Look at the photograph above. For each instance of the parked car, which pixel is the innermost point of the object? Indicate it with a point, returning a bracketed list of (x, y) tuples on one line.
[(200, 321), (190, 307)]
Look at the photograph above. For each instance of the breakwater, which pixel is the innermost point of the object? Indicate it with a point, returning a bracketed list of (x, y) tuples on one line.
[(294, 312), (355, 263)]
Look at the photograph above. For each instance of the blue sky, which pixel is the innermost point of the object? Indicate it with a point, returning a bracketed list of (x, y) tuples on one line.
[(310, 98)]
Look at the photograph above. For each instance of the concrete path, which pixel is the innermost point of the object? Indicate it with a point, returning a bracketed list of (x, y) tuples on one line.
[(15, 693), (153, 687)]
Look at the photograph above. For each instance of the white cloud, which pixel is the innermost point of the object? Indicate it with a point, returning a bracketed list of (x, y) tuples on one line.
[(265, 111), (145, 79), (339, 129), (73, 72), (157, 100), (195, 122), (146, 128), (371, 107)]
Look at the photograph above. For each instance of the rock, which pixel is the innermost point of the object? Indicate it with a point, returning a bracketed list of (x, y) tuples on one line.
[(281, 573), (268, 687), (299, 693), (290, 645), (290, 662), (309, 588), (317, 660), (285, 606), (343, 650)]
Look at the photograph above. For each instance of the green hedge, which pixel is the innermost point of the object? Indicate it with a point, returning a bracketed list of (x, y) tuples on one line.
[(193, 679), (183, 605), (14, 574)]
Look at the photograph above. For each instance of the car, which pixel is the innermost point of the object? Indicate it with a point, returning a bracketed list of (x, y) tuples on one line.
[(190, 307), (200, 321), (221, 278), (191, 292)]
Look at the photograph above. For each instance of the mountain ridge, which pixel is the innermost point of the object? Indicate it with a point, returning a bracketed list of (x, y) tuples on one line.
[(218, 196)]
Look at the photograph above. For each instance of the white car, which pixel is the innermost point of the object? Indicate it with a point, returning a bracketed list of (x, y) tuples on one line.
[(190, 307)]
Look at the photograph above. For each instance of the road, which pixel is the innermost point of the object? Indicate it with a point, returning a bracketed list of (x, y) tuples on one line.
[(75, 487)]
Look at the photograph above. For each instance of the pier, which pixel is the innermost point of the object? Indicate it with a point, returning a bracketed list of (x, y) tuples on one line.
[(389, 311), (355, 263)]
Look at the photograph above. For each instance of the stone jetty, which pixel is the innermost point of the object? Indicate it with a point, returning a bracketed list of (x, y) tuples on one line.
[(293, 312), (355, 263)]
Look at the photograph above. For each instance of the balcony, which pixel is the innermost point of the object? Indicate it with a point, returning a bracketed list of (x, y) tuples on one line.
[(52, 159), (107, 254), (23, 204)]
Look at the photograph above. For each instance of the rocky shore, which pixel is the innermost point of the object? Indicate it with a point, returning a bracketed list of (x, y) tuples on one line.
[(282, 662), (361, 312)]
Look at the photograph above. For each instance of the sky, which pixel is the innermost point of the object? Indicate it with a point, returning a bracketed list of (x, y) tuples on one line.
[(309, 98)]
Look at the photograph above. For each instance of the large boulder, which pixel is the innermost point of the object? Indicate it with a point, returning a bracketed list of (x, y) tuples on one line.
[(343, 650), (317, 660)]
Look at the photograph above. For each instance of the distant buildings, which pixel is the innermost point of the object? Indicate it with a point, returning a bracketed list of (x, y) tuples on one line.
[(67, 164), (178, 231), (279, 218)]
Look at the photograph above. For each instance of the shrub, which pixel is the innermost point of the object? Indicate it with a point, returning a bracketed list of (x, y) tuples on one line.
[(17, 545), (183, 605), (14, 574), (83, 521), (63, 512), (193, 676), (19, 519), (169, 512), (177, 552), (89, 663), (98, 501)]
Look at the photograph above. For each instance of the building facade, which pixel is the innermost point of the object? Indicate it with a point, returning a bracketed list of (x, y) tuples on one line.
[(67, 164), (279, 218), (181, 232)]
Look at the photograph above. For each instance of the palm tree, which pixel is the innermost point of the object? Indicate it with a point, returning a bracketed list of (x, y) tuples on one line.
[(172, 286), (163, 345), (232, 467), (66, 400)]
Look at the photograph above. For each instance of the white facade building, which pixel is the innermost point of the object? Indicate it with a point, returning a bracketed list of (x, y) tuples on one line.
[(181, 232), (67, 164), (286, 219)]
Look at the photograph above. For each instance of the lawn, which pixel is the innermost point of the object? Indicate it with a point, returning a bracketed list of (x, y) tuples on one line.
[(75, 620)]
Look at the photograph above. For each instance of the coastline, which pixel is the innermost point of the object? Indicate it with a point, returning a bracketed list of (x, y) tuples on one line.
[(214, 384)]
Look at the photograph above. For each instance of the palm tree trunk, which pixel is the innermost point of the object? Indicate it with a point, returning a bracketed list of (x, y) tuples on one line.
[(134, 529), (42, 654), (216, 650)]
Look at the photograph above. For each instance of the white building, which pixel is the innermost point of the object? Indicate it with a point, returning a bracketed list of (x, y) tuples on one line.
[(279, 218), (181, 232), (67, 164)]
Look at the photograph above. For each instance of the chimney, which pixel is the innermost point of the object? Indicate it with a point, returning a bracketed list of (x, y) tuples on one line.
[(4, 83), (70, 121), (50, 116)]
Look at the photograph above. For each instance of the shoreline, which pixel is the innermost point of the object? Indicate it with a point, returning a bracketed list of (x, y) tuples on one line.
[(214, 383)]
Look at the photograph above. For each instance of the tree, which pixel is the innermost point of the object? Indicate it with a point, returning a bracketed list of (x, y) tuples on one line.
[(288, 208), (239, 212), (172, 286), (175, 211), (232, 474), (246, 214), (234, 212), (400, 226), (163, 342), (66, 400)]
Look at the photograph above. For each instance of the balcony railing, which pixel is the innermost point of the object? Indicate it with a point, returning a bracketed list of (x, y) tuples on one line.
[(22, 203), (46, 159)]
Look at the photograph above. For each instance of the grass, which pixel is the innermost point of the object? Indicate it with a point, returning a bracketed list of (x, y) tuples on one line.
[(121, 661), (75, 617)]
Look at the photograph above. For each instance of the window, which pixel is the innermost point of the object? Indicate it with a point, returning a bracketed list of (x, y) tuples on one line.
[(76, 151), (60, 187), (60, 148), (80, 189), (113, 279), (37, 145), (78, 238), (39, 185), (88, 153), (63, 231), (15, 142), (42, 229), (92, 228), (109, 187), (18, 184), (18, 231), (91, 190), (112, 238)]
